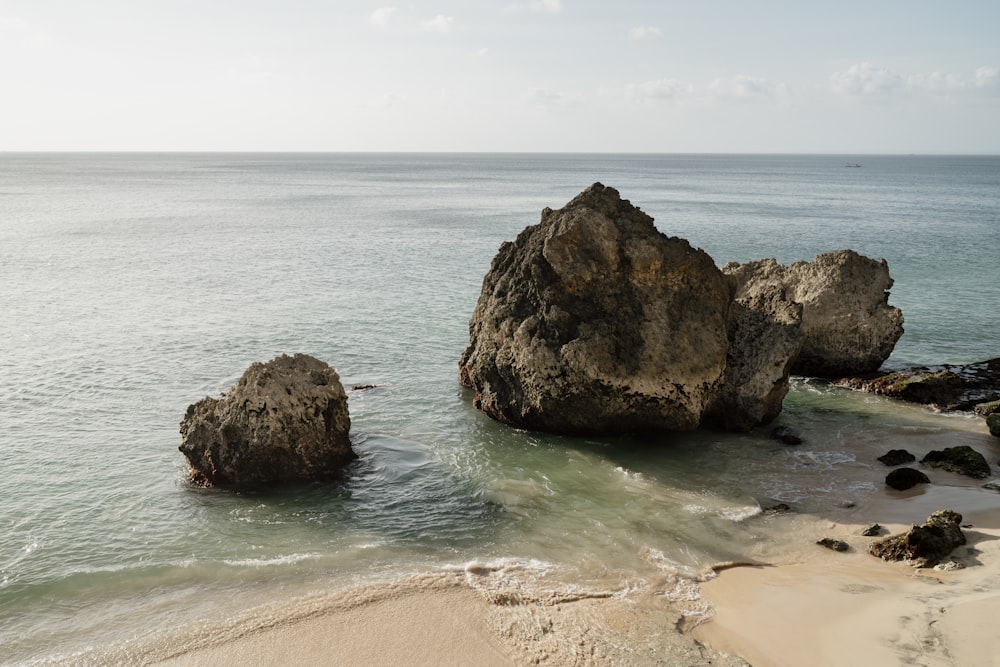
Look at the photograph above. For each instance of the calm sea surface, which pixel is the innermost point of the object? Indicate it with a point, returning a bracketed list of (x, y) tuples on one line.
[(133, 285)]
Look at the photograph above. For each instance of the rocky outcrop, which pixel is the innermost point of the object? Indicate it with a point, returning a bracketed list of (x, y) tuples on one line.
[(592, 321), (283, 421), (962, 459), (848, 327), (926, 545), (945, 388)]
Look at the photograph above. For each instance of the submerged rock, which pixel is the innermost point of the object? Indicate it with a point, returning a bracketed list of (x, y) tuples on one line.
[(592, 321), (785, 435), (902, 479), (946, 388), (848, 327), (283, 421), (895, 457), (962, 459), (926, 545)]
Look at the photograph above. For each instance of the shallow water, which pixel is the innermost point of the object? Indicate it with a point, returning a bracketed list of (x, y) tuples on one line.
[(133, 285)]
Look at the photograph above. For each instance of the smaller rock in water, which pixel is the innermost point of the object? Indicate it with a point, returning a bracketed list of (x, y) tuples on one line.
[(284, 421), (895, 457), (992, 486), (836, 545), (786, 435), (872, 530), (902, 479), (925, 545), (963, 460)]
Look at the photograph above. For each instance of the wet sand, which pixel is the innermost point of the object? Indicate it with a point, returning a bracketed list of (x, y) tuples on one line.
[(824, 609)]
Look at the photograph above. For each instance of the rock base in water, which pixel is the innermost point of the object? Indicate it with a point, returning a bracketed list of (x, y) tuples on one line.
[(283, 421)]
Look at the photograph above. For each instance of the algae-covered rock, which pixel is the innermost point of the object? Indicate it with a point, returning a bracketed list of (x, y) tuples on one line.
[(963, 460), (925, 545), (993, 423)]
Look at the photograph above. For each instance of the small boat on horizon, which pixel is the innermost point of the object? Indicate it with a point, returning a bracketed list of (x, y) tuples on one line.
[(852, 164)]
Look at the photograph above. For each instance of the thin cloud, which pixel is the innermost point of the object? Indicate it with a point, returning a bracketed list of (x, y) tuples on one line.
[(645, 32), (536, 7), (864, 79), (669, 90), (746, 87), (381, 16), (440, 24)]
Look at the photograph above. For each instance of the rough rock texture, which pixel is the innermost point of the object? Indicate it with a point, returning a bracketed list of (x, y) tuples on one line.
[(764, 332), (283, 421), (848, 327), (895, 457), (962, 459), (945, 388), (902, 479), (592, 321), (926, 545)]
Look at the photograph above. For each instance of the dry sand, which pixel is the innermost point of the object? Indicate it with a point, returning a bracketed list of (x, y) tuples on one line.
[(829, 609), (849, 609)]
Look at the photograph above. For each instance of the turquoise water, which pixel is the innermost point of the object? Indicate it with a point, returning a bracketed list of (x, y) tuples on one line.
[(133, 285)]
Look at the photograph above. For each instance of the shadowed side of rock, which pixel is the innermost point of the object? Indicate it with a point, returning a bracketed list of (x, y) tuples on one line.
[(283, 421), (592, 321)]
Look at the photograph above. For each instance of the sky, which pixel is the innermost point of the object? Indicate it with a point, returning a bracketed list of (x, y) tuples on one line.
[(651, 76)]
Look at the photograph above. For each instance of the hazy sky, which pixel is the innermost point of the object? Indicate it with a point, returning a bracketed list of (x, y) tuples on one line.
[(506, 75)]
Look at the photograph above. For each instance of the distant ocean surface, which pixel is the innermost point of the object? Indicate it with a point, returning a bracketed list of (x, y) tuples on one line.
[(132, 285)]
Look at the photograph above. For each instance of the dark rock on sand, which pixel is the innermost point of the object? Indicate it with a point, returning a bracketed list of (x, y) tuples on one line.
[(592, 321), (945, 388), (902, 479), (872, 530), (896, 457), (848, 327), (780, 508), (926, 545), (283, 421), (963, 459), (836, 545)]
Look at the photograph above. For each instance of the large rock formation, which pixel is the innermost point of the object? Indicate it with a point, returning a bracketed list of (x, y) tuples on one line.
[(848, 327), (593, 321), (283, 421)]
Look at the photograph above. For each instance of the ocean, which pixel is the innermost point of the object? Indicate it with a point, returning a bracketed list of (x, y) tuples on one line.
[(132, 285)]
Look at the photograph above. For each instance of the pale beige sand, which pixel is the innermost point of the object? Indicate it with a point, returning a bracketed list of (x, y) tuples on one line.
[(849, 609), (438, 628)]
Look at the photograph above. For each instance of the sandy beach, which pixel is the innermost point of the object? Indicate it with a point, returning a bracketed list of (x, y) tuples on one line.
[(828, 608)]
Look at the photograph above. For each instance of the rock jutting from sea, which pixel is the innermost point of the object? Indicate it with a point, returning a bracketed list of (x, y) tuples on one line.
[(593, 321), (283, 421)]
